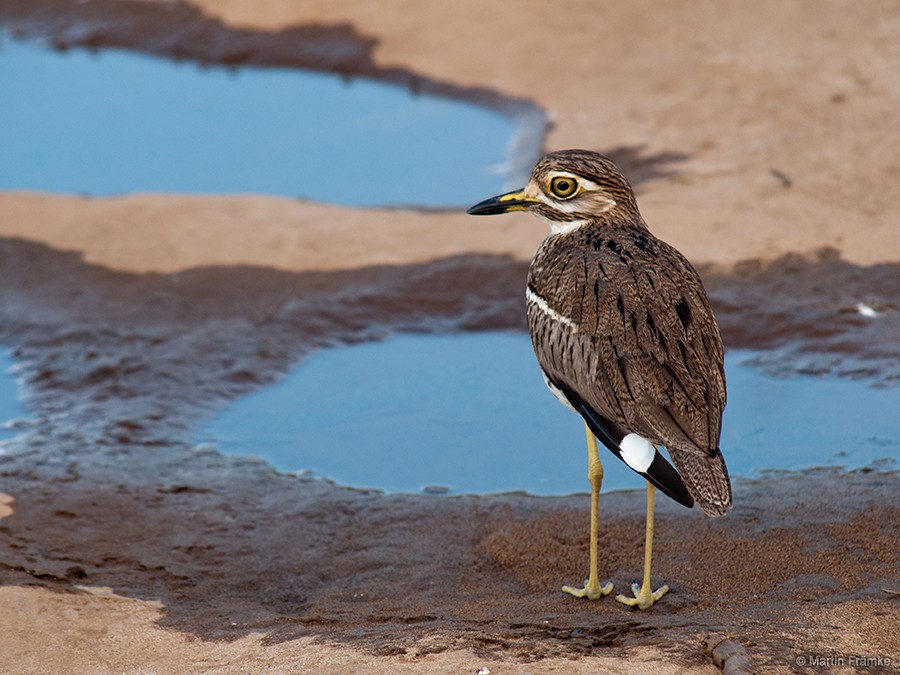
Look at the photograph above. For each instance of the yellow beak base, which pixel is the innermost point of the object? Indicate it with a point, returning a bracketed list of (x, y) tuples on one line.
[(511, 201)]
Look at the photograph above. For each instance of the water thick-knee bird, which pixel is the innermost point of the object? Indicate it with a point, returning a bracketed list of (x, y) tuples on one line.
[(625, 337)]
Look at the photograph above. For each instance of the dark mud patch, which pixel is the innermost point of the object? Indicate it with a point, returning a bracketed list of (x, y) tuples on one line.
[(119, 369), (812, 315), (243, 550)]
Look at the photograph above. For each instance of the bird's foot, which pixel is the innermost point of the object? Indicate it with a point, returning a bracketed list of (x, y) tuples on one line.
[(592, 590), (644, 597)]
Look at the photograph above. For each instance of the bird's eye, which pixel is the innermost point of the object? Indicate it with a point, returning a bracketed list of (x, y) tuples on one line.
[(564, 186)]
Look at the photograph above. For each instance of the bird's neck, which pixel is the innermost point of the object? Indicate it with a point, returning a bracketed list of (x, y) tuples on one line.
[(611, 221)]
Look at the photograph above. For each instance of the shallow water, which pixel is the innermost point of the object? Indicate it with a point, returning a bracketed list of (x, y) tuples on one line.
[(117, 122), (11, 409), (470, 413)]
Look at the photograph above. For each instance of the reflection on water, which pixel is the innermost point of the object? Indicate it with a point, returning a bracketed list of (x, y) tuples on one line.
[(10, 407), (471, 412), (118, 122)]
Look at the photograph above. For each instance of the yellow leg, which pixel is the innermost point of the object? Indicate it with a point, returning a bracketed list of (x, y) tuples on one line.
[(644, 597), (592, 589)]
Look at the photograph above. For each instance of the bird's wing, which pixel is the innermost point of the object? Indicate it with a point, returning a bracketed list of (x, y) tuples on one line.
[(646, 353), (669, 353), (671, 359)]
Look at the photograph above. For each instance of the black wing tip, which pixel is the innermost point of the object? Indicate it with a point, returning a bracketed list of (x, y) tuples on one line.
[(664, 476)]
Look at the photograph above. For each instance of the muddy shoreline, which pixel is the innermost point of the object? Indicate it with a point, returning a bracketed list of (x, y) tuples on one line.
[(120, 368)]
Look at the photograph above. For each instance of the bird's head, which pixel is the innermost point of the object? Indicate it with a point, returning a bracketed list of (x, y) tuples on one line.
[(568, 189)]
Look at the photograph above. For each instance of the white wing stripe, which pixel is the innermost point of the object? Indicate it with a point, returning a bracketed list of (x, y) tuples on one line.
[(542, 305)]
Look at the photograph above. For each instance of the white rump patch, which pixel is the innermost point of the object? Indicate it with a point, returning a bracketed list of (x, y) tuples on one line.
[(637, 452), (542, 305)]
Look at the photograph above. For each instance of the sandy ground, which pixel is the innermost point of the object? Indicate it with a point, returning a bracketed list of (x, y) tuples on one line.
[(763, 138)]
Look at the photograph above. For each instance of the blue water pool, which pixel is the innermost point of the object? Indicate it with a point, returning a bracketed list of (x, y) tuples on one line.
[(11, 409), (117, 122), (470, 413)]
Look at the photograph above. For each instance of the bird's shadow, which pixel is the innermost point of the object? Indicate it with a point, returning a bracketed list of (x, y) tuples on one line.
[(641, 167)]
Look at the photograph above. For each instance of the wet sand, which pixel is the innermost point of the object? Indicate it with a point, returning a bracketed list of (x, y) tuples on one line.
[(127, 549)]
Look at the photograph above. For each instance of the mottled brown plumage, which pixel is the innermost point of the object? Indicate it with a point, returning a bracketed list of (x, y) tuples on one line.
[(643, 349)]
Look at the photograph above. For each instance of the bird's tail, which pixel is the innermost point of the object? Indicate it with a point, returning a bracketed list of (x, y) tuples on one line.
[(706, 478)]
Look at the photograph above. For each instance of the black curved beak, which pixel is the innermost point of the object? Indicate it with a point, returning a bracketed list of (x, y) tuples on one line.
[(511, 201)]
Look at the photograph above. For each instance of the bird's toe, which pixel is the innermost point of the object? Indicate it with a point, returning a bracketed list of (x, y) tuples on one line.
[(591, 591), (644, 598)]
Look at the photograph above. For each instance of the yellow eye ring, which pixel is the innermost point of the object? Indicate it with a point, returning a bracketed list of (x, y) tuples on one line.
[(563, 187)]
